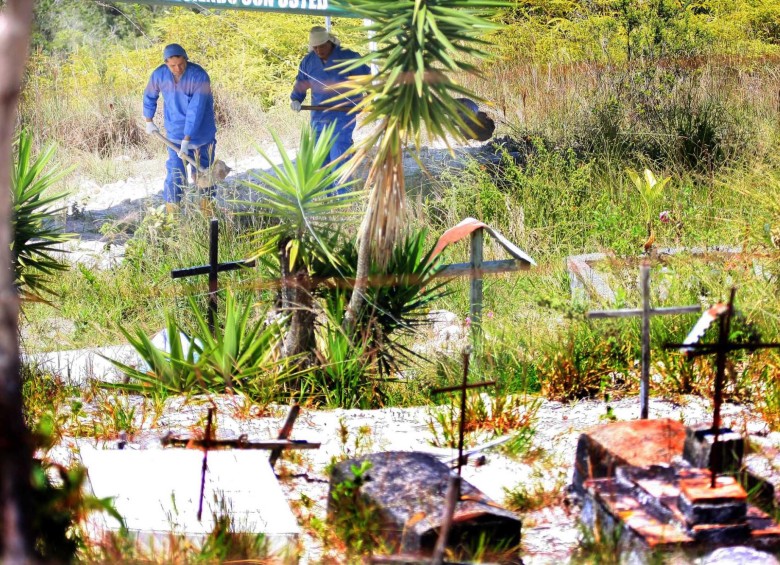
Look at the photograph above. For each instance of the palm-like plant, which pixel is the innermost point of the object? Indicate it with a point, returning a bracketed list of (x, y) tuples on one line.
[(420, 42), (397, 296), (300, 200), (240, 356), (36, 236)]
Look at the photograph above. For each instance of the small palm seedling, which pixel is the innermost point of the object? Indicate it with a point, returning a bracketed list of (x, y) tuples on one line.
[(651, 190)]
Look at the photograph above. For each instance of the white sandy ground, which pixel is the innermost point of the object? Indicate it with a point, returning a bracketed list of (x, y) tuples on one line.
[(550, 535)]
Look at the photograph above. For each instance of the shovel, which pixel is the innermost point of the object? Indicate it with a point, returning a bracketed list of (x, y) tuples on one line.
[(480, 126), (206, 177)]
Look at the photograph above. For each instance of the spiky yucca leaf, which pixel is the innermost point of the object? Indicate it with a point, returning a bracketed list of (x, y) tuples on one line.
[(36, 235), (300, 198)]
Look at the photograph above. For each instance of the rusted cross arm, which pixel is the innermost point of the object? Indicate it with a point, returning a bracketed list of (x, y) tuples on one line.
[(414, 560), (192, 443), (206, 269), (461, 387), (488, 267), (696, 349), (629, 312)]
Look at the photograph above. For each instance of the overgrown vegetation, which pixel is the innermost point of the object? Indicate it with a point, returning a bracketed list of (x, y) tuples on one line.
[(587, 97)]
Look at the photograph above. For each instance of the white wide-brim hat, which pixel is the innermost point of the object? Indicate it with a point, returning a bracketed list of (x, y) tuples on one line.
[(317, 36)]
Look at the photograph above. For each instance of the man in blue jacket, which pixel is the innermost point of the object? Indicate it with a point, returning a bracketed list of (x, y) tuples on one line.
[(315, 73), (188, 115)]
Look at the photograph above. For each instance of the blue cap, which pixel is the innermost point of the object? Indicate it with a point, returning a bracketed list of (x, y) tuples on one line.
[(470, 104), (174, 50)]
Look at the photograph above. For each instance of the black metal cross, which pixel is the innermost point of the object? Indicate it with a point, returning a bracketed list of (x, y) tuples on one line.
[(691, 347), (645, 312), (453, 485), (212, 269)]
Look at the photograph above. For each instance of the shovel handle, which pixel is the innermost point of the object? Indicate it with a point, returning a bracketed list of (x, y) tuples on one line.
[(343, 108), (173, 146)]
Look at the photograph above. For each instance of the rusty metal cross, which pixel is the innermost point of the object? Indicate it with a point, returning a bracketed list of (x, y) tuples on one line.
[(691, 347), (645, 312), (212, 269), (276, 446)]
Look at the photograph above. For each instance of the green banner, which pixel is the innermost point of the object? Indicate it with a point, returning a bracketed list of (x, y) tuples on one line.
[(308, 7)]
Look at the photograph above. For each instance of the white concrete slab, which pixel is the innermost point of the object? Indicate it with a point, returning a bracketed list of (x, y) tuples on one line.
[(157, 492), (77, 367)]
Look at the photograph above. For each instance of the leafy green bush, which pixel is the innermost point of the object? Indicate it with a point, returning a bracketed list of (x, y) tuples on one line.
[(60, 503)]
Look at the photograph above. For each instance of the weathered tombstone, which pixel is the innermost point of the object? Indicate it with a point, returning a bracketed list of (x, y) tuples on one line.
[(706, 445), (407, 490), (645, 312), (668, 504), (423, 507)]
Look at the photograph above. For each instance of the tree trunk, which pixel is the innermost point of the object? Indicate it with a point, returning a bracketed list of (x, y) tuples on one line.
[(357, 298), (16, 538), (298, 303), (382, 224)]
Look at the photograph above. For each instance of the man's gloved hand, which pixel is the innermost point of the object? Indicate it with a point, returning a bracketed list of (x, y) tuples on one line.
[(295, 105), (151, 128), (185, 147)]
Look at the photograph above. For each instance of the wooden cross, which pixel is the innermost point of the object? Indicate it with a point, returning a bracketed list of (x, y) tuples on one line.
[(453, 485), (212, 269), (275, 445), (691, 347), (645, 312)]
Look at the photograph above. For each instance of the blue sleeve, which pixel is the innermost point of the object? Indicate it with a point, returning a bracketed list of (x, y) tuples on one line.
[(201, 96), (302, 83), (151, 94), (361, 70)]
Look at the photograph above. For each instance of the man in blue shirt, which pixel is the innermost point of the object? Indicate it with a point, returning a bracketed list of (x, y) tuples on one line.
[(315, 73), (188, 114)]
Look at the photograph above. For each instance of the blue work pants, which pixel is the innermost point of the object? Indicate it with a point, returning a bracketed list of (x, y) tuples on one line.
[(341, 145), (176, 179)]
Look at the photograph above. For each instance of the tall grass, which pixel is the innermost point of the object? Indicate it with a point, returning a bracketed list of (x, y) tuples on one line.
[(578, 114)]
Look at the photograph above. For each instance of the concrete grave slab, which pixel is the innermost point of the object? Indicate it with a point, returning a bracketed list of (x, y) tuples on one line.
[(79, 366), (583, 278), (158, 491)]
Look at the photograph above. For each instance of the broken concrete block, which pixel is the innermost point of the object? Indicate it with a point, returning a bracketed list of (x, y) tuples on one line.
[(700, 452), (407, 490), (726, 503), (639, 443)]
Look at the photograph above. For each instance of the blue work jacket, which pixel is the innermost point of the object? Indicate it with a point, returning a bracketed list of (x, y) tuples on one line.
[(188, 107), (317, 75)]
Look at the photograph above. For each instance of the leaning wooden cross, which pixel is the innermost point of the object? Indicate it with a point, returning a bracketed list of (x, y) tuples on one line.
[(208, 443), (691, 347), (212, 269), (645, 312)]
